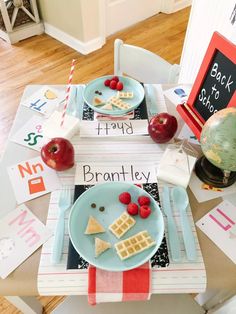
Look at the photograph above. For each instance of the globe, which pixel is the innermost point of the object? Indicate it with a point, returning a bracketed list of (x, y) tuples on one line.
[(218, 143)]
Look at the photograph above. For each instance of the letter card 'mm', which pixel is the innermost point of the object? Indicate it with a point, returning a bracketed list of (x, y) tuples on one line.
[(21, 233)]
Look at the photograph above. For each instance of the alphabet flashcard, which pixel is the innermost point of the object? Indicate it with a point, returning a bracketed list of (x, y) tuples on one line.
[(31, 134), (32, 178), (45, 100), (220, 226), (21, 233)]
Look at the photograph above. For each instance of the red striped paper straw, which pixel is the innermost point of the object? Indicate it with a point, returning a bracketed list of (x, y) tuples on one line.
[(68, 91)]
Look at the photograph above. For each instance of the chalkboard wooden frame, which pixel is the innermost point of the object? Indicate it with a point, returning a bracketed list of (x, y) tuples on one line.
[(188, 111)]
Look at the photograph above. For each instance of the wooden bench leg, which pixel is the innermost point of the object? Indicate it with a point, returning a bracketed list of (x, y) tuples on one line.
[(27, 305)]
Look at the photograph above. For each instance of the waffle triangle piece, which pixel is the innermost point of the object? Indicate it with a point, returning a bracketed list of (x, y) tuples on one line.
[(97, 101), (93, 226), (108, 106), (101, 246)]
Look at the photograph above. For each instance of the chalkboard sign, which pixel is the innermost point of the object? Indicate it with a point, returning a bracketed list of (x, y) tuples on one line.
[(215, 85), (218, 86)]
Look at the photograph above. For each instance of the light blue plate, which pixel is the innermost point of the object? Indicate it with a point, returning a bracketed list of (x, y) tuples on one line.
[(130, 85), (106, 194)]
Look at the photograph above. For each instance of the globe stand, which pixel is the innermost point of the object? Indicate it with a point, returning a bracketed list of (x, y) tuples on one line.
[(212, 175)]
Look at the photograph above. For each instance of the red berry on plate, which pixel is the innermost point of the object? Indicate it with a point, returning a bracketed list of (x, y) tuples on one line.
[(125, 198), (113, 84), (107, 82), (144, 211), (132, 209), (119, 86), (115, 78), (143, 200)]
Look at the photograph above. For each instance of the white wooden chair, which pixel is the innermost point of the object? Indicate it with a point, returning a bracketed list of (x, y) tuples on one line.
[(143, 65)]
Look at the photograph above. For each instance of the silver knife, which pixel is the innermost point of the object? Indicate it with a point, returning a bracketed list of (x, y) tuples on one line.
[(171, 227), (80, 100), (150, 99)]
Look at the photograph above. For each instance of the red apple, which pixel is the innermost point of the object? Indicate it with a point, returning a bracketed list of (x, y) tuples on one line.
[(162, 127), (58, 154)]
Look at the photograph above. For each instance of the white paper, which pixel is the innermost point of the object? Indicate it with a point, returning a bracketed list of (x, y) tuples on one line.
[(31, 134), (176, 167), (204, 193), (21, 233), (92, 172), (178, 95), (113, 128), (45, 100), (220, 226), (52, 126), (187, 134), (32, 178)]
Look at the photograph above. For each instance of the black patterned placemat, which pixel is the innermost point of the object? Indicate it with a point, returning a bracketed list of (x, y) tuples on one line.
[(159, 259)]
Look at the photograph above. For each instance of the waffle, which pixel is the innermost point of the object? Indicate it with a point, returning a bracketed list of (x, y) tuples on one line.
[(125, 94), (118, 103), (122, 224), (134, 245)]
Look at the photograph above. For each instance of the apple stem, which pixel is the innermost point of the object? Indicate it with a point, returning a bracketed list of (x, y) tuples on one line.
[(53, 149)]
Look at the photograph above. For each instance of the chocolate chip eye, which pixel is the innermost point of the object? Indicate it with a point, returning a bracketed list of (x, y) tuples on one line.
[(93, 205), (102, 208)]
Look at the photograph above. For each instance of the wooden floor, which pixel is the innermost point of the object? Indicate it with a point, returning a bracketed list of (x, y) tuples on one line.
[(44, 60)]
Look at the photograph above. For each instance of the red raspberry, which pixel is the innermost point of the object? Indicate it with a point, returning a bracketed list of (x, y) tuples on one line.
[(113, 84), (119, 86), (143, 200), (144, 211), (107, 82), (125, 198), (132, 209), (115, 78)]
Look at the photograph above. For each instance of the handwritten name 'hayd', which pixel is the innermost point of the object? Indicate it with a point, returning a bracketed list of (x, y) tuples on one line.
[(125, 173)]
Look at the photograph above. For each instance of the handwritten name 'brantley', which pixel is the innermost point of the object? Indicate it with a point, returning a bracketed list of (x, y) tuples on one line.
[(126, 173)]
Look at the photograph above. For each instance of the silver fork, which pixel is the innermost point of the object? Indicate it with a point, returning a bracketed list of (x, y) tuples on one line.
[(64, 204)]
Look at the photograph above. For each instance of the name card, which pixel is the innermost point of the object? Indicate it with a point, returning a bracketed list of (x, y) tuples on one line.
[(220, 226), (113, 128), (21, 233), (92, 173)]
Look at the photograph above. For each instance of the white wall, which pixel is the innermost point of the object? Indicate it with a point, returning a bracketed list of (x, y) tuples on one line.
[(229, 307), (206, 17)]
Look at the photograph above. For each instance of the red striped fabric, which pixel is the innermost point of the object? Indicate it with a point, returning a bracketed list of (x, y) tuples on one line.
[(131, 285)]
